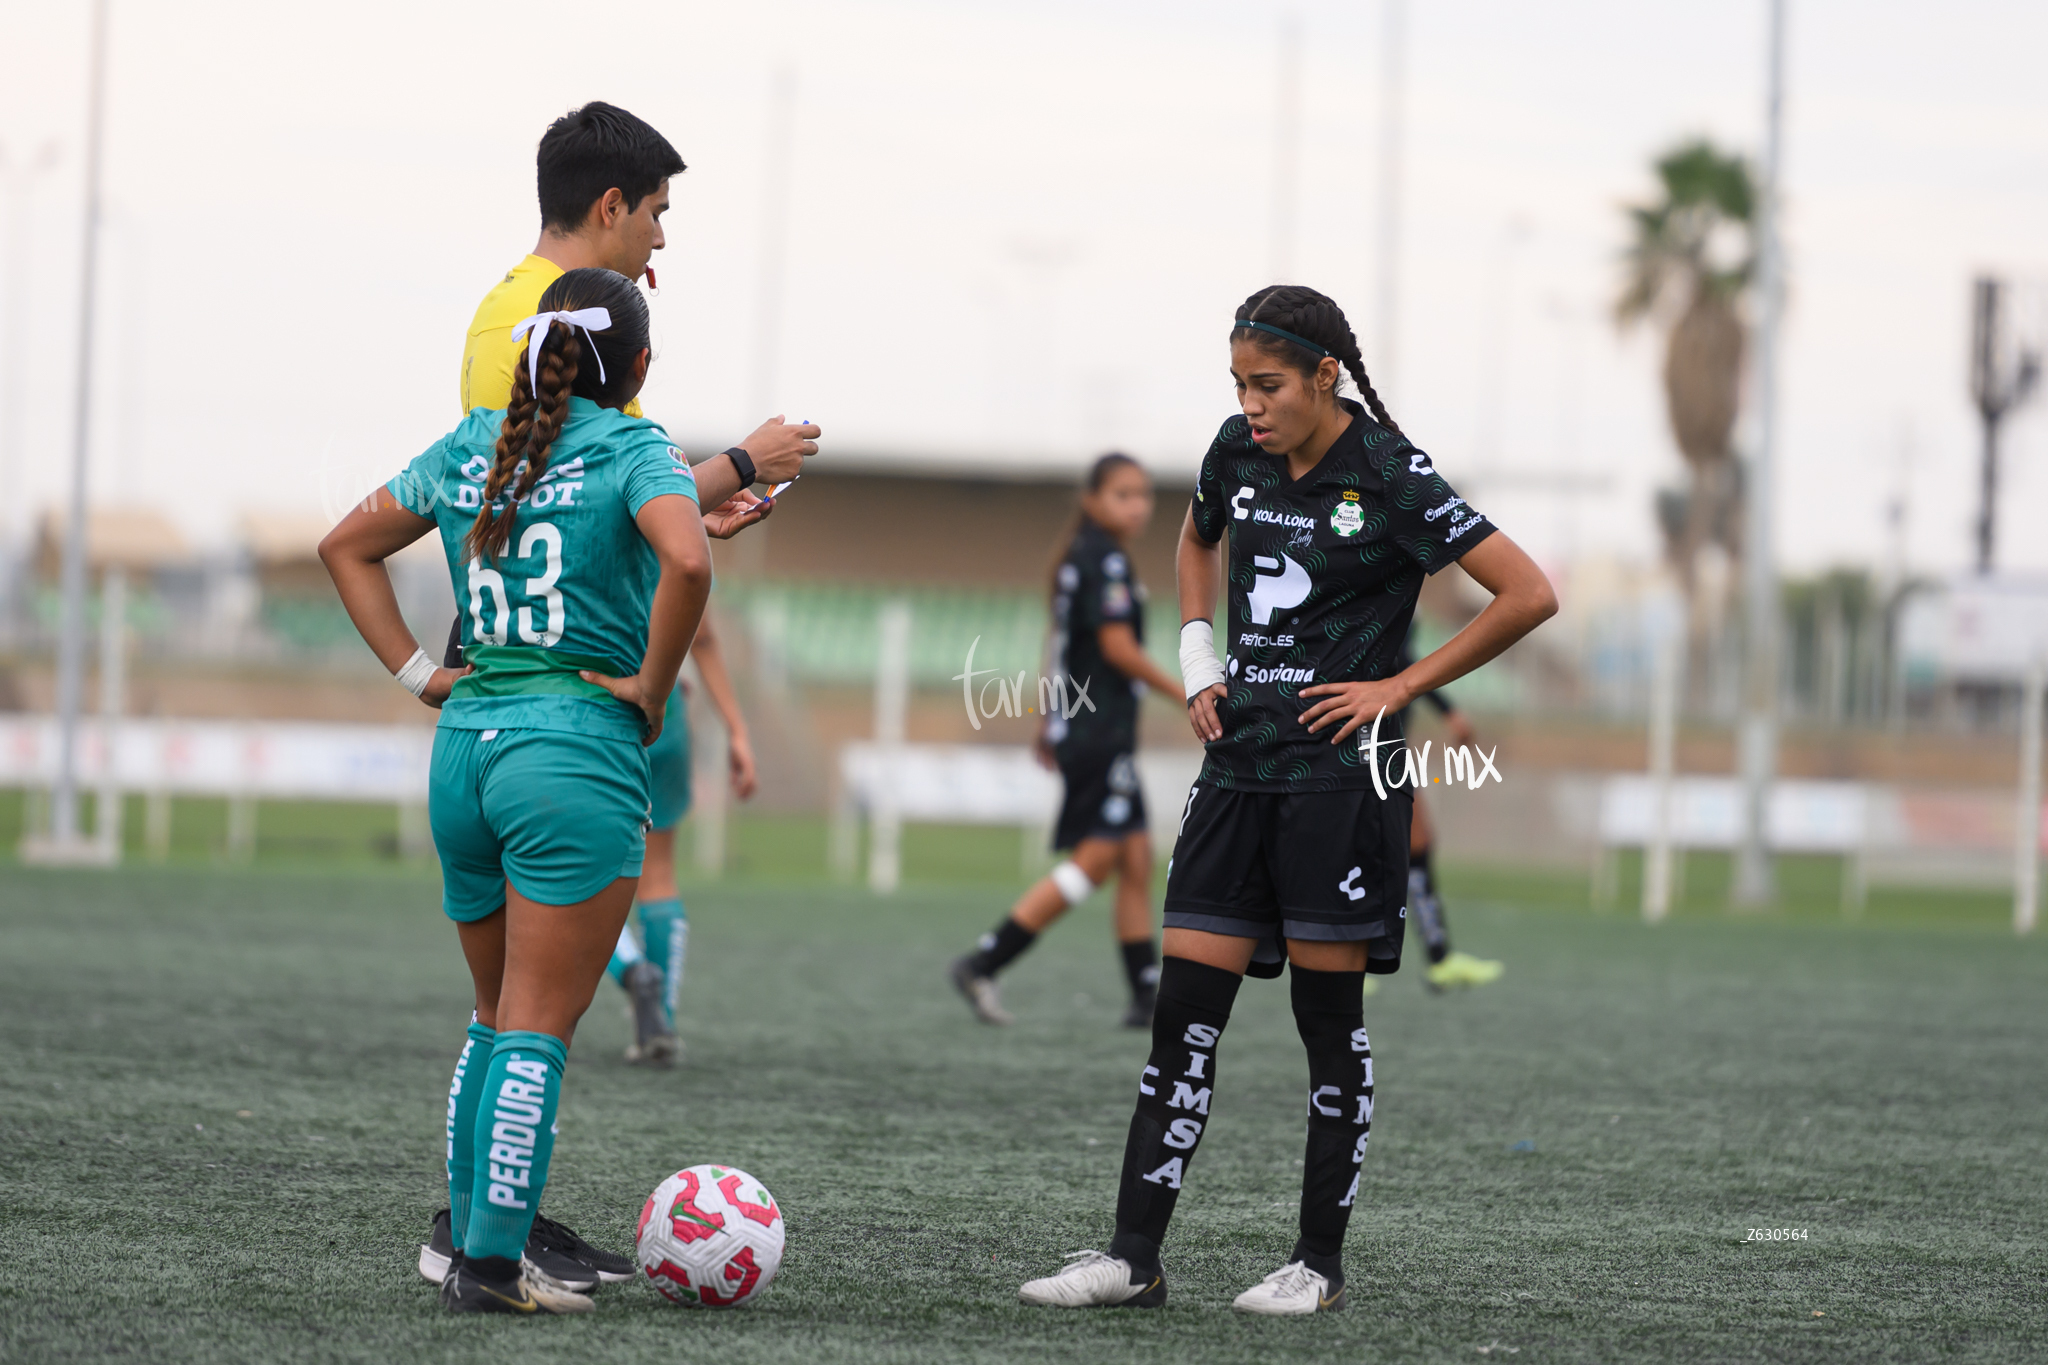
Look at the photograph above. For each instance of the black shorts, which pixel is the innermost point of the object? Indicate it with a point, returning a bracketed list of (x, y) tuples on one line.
[(1104, 799), (1331, 866)]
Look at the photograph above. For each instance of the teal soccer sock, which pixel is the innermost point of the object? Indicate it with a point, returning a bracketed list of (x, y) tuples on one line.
[(625, 955), (515, 1135), (667, 926), (463, 1092)]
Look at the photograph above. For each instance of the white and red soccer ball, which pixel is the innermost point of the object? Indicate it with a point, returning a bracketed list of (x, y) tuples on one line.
[(710, 1237)]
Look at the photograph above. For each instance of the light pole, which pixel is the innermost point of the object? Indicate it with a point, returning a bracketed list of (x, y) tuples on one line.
[(1286, 148), (1995, 392), (20, 181), (65, 836), (1757, 736), (1393, 38)]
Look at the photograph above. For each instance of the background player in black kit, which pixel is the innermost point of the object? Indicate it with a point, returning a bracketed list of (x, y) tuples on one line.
[(1098, 644), (1447, 966), (1293, 841)]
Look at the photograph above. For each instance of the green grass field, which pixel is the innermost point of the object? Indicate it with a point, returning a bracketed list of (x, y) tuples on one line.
[(222, 1093)]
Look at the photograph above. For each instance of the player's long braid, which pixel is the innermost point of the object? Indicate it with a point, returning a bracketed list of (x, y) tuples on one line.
[(532, 421), (1298, 309)]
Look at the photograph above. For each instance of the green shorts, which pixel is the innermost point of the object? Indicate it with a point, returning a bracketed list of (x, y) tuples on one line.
[(668, 766), (559, 815)]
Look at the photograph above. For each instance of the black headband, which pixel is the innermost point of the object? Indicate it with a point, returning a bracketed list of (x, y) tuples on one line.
[(1303, 342)]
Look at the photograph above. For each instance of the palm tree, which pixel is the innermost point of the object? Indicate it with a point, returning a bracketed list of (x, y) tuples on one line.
[(1689, 260)]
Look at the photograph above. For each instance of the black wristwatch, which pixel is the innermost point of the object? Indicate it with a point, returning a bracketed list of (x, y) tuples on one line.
[(743, 464)]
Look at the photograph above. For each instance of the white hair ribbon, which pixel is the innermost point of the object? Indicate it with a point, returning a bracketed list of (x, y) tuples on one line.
[(589, 319)]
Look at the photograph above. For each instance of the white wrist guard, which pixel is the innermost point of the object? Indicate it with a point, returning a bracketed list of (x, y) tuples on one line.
[(418, 670), (1199, 670)]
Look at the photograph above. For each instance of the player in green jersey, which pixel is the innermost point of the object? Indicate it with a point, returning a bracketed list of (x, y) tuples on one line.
[(577, 553)]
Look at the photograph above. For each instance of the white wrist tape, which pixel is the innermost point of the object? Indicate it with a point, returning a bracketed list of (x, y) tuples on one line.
[(416, 673), (1199, 669), (1072, 882)]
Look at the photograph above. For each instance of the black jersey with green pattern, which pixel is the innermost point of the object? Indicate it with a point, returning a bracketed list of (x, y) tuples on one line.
[(1322, 580), (1094, 586)]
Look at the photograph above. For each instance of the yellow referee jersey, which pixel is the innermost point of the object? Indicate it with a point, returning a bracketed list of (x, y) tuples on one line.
[(490, 357)]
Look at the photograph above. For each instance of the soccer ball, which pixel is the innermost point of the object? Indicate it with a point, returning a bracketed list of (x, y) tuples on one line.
[(710, 1237)]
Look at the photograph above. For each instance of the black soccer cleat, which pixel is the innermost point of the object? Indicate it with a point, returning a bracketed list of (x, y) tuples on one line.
[(1139, 1015), (559, 1253), (530, 1294), (550, 1239)]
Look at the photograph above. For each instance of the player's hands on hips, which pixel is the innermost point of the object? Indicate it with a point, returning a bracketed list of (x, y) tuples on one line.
[(441, 684), (736, 514), (739, 758), (638, 693), (1202, 713), (778, 449), (1352, 704)]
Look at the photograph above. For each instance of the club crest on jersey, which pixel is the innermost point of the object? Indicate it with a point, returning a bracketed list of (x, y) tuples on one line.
[(1347, 518)]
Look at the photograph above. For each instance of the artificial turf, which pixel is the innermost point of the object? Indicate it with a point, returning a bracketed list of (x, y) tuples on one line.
[(221, 1099)]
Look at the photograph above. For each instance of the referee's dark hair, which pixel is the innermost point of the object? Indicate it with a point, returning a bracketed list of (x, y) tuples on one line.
[(1313, 317), (593, 149)]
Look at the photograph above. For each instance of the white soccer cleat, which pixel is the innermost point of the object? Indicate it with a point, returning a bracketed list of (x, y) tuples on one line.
[(1094, 1279), (1290, 1290), (982, 995), (550, 1292)]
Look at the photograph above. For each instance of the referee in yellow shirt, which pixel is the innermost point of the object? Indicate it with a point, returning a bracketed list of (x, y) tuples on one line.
[(603, 179)]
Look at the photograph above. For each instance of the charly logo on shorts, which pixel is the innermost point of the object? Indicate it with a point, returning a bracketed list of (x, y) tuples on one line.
[(1123, 783), (1347, 518)]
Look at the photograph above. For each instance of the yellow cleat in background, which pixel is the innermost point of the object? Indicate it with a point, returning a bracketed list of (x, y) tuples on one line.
[(1463, 969)]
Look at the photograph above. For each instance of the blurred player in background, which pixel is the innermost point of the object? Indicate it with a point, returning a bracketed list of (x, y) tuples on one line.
[(652, 973), (1292, 835), (572, 529), (1098, 657), (1446, 967), (601, 176)]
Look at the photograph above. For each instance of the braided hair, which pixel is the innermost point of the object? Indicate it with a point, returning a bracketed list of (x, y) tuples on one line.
[(1314, 317), (598, 366)]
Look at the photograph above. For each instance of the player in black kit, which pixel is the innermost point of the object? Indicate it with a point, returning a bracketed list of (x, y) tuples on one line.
[(1091, 732), (1294, 840), (1447, 966)]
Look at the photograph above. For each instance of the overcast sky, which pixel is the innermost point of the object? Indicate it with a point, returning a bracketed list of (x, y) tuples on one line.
[(1016, 233)]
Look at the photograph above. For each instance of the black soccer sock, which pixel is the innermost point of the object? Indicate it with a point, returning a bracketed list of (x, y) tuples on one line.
[(1141, 968), (999, 947), (1330, 1015), (501, 1272), (1173, 1104), (1428, 909)]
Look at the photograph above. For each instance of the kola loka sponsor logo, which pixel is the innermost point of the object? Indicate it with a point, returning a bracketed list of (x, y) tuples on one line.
[(1288, 519)]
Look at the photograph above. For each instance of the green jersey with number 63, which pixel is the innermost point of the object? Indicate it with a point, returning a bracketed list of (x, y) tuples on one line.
[(575, 583)]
